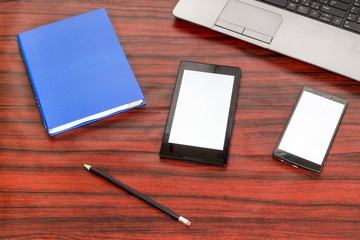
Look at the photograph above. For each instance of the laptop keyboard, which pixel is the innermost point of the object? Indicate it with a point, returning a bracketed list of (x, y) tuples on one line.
[(340, 13)]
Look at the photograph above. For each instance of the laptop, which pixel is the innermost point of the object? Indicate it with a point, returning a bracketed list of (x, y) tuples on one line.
[(325, 33)]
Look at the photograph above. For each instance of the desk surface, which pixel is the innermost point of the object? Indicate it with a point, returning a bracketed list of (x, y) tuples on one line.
[(45, 192)]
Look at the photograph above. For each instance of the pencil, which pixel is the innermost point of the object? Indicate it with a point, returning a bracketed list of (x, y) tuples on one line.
[(139, 195)]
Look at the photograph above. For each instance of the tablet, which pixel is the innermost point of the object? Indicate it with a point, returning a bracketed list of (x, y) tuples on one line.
[(311, 129), (201, 114)]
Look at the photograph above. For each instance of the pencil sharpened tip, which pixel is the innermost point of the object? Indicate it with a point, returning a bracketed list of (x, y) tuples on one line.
[(87, 166)]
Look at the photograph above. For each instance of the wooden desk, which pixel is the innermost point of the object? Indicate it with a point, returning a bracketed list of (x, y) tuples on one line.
[(46, 193)]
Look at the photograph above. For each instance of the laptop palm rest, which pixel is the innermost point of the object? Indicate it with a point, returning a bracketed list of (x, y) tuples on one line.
[(249, 20)]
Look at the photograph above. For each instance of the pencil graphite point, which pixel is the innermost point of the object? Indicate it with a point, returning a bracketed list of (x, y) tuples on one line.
[(87, 166)]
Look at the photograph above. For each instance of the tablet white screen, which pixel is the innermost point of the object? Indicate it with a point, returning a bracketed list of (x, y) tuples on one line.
[(311, 127), (202, 110)]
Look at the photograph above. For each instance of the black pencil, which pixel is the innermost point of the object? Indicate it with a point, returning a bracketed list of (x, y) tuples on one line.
[(139, 195)]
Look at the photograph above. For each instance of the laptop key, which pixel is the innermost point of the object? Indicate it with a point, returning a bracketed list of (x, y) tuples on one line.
[(333, 11), (337, 21), (352, 26), (351, 17), (315, 5), (340, 5), (303, 10), (325, 19), (326, 15), (305, 2), (291, 6), (355, 10), (314, 13)]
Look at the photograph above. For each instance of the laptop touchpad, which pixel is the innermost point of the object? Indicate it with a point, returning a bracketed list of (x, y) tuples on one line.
[(249, 20)]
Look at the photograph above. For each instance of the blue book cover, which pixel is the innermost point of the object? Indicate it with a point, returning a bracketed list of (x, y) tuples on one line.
[(79, 71)]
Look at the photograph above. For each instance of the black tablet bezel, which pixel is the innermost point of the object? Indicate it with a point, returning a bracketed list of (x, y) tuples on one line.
[(295, 160), (198, 154)]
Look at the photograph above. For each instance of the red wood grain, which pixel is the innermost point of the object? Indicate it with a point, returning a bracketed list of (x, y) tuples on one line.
[(46, 193)]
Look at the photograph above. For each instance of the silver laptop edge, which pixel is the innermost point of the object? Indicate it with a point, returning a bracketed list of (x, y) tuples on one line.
[(273, 28)]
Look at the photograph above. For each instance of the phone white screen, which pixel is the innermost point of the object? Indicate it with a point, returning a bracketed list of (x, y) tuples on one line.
[(311, 127)]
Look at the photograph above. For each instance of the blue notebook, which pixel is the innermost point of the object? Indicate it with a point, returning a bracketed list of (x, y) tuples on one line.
[(79, 71)]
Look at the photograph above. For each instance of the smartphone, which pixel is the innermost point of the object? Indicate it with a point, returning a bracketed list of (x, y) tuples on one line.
[(310, 130)]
